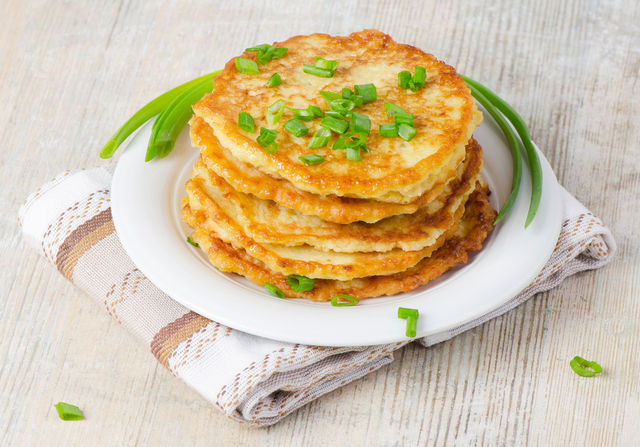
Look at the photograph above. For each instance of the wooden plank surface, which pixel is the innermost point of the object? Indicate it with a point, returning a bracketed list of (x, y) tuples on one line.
[(72, 72)]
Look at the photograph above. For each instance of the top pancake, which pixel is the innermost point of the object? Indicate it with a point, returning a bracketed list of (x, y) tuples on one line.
[(395, 171)]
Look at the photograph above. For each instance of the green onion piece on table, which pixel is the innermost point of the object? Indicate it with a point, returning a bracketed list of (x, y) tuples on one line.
[(367, 91), (319, 139), (273, 290), (68, 412), (388, 130), (300, 283), (296, 127), (525, 136), (403, 79), (419, 76), (275, 111), (406, 132), (275, 80), (195, 244), (351, 300), (580, 365), (334, 124), (245, 122), (311, 159), (246, 66)]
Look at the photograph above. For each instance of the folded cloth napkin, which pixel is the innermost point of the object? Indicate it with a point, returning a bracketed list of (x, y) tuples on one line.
[(253, 380)]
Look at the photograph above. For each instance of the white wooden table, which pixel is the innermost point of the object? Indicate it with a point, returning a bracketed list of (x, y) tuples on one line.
[(72, 72)]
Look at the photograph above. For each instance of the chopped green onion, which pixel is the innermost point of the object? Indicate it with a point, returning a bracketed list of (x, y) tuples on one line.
[(391, 109), (336, 125), (579, 365), (342, 105), (367, 91), (267, 139), (301, 114), (317, 111), (275, 111), (258, 48), (412, 325), (389, 130), (335, 114), (404, 118), (275, 80), (245, 122), (319, 139), (352, 301), (246, 66), (329, 96), (273, 290), (68, 412), (403, 79), (404, 312), (270, 54), (310, 69), (347, 93), (195, 244), (360, 123), (406, 132), (413, 86), (296, 127), (311, 159), (300, 283), (419, 76), (343, 142), (353, 153)]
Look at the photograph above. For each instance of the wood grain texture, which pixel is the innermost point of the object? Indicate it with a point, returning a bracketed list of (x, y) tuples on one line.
[(72, 72)]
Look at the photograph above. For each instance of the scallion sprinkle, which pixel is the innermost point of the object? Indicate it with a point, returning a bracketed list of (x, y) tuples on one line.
[(323, 73), (258, 48), (352, 301), (406, 132), (579, 365), (404, 118), (300, 283), (275, 80), (336, 125), (329, 96), (347, 93), (391, 109), (337, 115), (367, 91), (296, 127), (389, 130), (68, 412), (319, 139), (245, 122), (317, 111), (403, 79), (273, 290), (419, 76), (360, 123), (311, 159), (275, 111), (353, 153), (195, 244), (267, 139), (342, 105), (246, 66)]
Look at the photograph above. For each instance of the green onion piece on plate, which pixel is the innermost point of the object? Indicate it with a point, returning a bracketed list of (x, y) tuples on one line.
[(404, 312), (389, 130), (406, 132), (403, 79), (68, 412), (273, 290), (311, 159), (319, 139), (412, 325), (246, 66), (245, 122), (296, 127), (580, 365), (352, 301), (195, 244), (275, 80), (367, 91), (300, 283), (275, 111), (334, 124)]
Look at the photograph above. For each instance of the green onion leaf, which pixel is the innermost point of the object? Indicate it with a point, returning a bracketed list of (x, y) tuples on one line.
[(326, 64), (68, 412), (195, 244), (360, 123), (348, 140), (300, 283), (275, 111), (403, 79), (579, 365), (412, 325), (389, 130), (275, 80), (404, 312), (353, 153), (342, 105), (267, 140), (317, 111), (413, 86), (406, 132), (246, 66), (329, 96), (347, 93), (336, 125), (391, 109), (419, 76), (404, 118), (273, 290), (310, 69), (367, 91), (296, 127), (335, 114), (311, 159), (351, 300), (319, 139), (245, 122), (258, 48)]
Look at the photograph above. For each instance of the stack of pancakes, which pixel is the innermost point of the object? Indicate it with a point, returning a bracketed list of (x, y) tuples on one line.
[(400, 217)]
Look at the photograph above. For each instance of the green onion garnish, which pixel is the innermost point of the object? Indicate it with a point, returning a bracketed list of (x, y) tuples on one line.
[(246, 66), (404, 312), (403, 118), (296, 127), (347, 93), (273, 290), (391, 109), (311, 159), (411, 315), (406, 132), (275, 111), (195, 244), (403, 79), (351, 300), (68, 412), (310, 69), (579, 365), (267, 139), (335, 114), (360, 123), (349, 140), (342, 105), (419, 76), (319, 139), (336, 125), (265, 52), (275, 80), (258, 48), (245, 122), (317, 111), (389, 130), (367, 91), (300, 283), (329, 96), (353, 153), (326, 64)]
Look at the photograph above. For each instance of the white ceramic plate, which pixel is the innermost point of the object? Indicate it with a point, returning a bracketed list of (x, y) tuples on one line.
[(146, 212)]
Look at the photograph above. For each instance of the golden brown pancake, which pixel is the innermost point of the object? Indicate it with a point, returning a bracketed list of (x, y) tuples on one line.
[(395, 170)]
